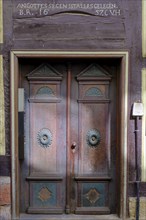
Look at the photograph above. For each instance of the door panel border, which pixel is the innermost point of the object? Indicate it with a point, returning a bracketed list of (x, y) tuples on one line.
[(14, 76)]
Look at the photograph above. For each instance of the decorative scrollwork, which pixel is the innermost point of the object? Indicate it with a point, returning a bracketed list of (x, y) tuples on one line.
[(93, 137), (44, 137)]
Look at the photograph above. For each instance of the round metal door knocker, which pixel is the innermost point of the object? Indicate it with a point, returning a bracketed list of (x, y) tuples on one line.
[(93, 138), (44, 137)]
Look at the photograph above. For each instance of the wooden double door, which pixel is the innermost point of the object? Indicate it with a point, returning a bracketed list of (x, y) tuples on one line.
[(68, 158)]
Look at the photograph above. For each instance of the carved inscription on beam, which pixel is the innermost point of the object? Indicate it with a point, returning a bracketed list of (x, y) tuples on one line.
[(88, 8)]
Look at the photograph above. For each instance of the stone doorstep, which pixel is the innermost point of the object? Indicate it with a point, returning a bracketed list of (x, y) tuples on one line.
[(132, 208), (69, 217)]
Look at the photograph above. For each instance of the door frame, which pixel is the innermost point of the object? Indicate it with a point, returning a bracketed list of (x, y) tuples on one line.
[(14, 78)]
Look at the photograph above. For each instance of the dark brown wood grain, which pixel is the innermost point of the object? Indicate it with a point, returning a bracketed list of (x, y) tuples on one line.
[(5, 166), (132, 189), (77, 171)]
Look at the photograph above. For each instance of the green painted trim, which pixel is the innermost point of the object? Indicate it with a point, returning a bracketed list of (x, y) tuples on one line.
[(2, 111), (144, 28)]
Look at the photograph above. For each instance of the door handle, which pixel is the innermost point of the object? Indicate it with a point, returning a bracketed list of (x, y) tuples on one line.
[(74, 145)]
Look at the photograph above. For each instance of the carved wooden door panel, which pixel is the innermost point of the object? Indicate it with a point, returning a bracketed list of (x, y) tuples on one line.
[(93, 139), (69, 140)]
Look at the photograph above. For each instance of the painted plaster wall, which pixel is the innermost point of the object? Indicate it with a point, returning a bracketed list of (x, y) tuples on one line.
[(5, 198)]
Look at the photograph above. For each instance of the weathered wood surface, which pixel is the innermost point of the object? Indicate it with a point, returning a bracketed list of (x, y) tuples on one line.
[(74, 29), (89, 158), (69, 24), (98, 21), (132, 187), (5, 166)]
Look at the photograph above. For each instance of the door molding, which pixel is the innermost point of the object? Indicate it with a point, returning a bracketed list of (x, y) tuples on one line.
[(14, 76)]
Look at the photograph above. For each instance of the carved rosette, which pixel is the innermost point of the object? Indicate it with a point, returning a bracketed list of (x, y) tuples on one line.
[(44, 137), (93, 138)]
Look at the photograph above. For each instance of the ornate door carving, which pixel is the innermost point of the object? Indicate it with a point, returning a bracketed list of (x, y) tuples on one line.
[(70, 139)]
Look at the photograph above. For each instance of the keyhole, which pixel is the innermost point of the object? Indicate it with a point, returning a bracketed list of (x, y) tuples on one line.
[(73, 146)]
